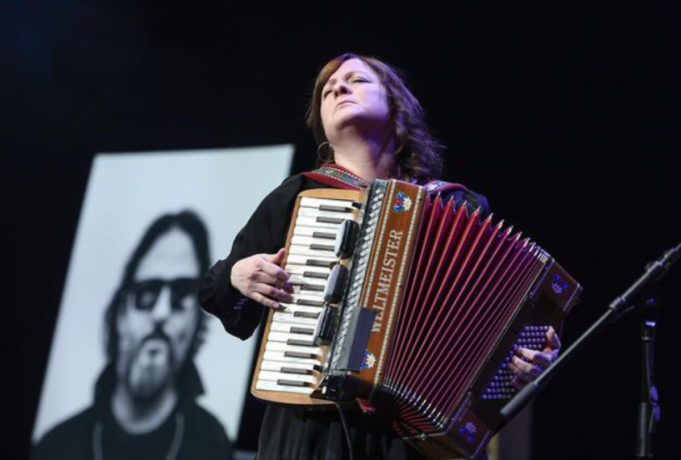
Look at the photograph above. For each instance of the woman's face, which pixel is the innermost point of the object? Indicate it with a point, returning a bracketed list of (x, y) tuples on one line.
[(354, 96)]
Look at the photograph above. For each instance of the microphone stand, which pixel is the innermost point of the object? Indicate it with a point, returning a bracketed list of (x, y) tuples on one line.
[(648, 408), (619, 306)]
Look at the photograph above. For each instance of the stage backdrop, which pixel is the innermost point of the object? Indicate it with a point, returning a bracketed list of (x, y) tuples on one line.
[(125, 193)]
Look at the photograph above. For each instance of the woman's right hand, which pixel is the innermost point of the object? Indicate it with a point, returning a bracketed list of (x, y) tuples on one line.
[(260, 277)]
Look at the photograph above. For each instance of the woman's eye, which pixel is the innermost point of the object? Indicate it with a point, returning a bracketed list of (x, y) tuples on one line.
[(326, 93)]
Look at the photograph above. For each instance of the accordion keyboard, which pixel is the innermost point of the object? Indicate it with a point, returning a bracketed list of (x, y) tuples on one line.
[(292, 360)]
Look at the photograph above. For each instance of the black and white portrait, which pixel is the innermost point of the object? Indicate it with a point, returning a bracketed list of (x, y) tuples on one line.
[(137, 370)]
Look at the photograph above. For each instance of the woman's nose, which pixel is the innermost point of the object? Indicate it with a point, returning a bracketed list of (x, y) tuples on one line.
[(341, 88)]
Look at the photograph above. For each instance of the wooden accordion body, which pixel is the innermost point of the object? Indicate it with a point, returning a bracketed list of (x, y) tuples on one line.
[(433, 303)]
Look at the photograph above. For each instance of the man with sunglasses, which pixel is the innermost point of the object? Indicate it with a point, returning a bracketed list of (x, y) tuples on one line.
[(144, 405)]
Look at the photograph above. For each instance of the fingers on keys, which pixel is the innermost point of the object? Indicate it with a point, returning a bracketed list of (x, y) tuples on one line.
[(552, 339), (524, 371), (273, 295), (272, 284), (541, 359)]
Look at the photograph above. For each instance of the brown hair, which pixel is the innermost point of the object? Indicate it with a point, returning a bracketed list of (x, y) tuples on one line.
[(417, 152)]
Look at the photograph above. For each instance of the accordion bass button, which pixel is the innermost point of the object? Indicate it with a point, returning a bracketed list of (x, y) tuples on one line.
[(345, 238)]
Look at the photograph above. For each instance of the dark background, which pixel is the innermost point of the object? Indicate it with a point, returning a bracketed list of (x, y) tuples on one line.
[(565, 116)]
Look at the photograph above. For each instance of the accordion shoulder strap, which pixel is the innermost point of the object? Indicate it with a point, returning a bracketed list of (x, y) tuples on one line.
[(435, 186), (460, 193), (337, 177)]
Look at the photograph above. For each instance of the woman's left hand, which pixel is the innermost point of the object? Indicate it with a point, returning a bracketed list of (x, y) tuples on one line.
[(535, 361)]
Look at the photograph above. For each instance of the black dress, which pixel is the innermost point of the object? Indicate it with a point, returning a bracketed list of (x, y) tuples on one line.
[(289, 433)]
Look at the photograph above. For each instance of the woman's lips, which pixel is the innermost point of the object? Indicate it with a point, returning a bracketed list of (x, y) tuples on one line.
[(344, 102)]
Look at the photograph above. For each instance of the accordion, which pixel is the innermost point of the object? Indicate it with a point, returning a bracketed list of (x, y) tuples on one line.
[(411, 305)]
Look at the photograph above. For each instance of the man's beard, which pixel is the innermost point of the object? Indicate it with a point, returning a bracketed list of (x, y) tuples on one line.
[(151, 368)]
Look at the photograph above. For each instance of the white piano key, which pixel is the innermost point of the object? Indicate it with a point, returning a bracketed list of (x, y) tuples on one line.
[(288, 318), (274, 376), (304, 280), (292, 309), (308, 202), (265, 385), (277, 366), (312, 253), (308, 288), (309, 272), (275, 336), (306, 299), (325, 234), (316, 262), (313, 212), (273, 355), (290, 328), (308, 221), (311, 296), (280, 346), (305, 240)]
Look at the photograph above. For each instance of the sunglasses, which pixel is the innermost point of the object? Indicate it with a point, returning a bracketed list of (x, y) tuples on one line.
[(183, 293)]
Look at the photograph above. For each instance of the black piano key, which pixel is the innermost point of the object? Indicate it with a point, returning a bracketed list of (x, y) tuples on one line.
[(330, 220), (293, 383), (324, 235), (301, 330), (319, 263), (306, 314), (332, 208), (295, 370), (300, 343), (317, 275), (311, 287), (298, 354), (310, 303), (322, 247)]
